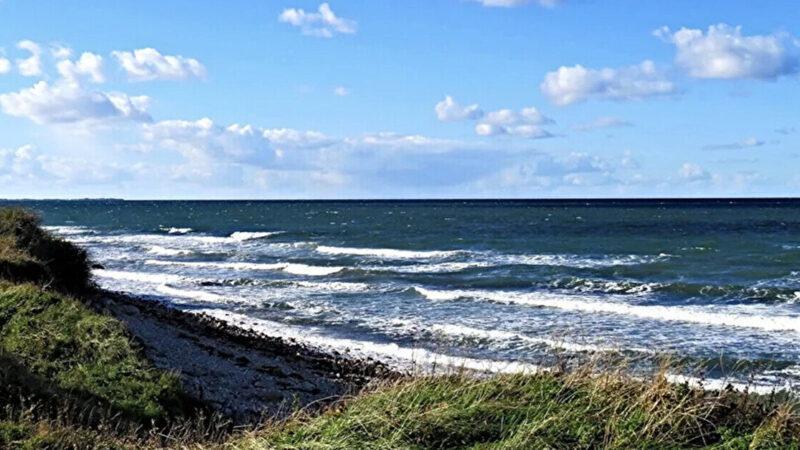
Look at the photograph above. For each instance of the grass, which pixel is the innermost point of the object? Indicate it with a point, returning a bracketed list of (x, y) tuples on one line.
[(67, 372), (543, 411)]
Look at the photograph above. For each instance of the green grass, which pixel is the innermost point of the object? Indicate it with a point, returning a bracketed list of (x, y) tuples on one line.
[(68, 373), (57, 338), (544, 411)]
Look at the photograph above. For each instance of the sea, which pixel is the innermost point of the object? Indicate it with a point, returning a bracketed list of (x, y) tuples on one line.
[(490, 285)]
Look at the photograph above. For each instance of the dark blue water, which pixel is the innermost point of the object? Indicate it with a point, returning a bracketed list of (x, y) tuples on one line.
[(500, 284)]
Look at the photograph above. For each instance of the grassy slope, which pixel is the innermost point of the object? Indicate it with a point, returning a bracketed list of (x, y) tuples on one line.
[(61, 364), (575, 411)]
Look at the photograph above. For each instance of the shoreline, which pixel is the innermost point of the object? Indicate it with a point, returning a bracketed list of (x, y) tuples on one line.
[(244, 375)]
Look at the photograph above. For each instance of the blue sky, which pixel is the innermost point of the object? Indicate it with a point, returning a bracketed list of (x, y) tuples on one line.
[(399, 99)]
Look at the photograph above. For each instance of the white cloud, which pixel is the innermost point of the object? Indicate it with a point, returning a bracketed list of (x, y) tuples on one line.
[(323, 23), (602, 122), (723, 52), (5, 65), (744, 143), (449, 110), (526, 123), (32, 65), (60, 51), (628, 162), (66, 101), (693, 172), (515, 3), (342, 91), (89, 65), (147, 64), (569, 85)]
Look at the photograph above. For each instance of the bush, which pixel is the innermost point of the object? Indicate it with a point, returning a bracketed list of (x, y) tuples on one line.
[(30, 254)]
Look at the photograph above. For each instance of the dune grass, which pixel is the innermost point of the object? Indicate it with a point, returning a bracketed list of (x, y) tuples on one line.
[(580, 410)]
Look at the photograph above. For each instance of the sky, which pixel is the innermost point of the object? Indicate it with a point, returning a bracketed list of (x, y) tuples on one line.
[(296, 99)]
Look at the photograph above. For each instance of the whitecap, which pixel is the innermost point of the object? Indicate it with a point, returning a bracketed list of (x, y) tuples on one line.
[(164, 251), (174, 230), (388, 253), (721, 317), (146, 277), (297, 269)]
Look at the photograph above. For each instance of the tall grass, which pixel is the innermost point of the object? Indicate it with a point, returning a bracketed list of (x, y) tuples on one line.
[(579, 410)]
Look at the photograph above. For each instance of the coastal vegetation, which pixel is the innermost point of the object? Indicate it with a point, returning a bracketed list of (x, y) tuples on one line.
[(72, 376)]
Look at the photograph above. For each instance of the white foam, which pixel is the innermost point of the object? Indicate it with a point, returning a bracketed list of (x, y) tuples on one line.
[(722, 317), (297, 269), (202, 296), (391, 353), (388, 253), (581, 262), (248, 235), (164, 251), (67, 230), (157, 278), (445, 267), (174, 230), (499, 335)]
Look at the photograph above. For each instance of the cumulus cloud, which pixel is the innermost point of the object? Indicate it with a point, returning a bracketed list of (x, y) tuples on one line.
[(5, 65), (515, 3), (525, 123), (323, 23), (32, 65), (60, 51), (449, 110), (744, 143), (570, 85), (148, 64), (723, 52), (602, 122), (693, 172), (66, 101), (89, 65)]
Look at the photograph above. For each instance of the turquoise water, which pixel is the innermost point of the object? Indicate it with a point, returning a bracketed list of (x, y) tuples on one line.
[(497, 284)]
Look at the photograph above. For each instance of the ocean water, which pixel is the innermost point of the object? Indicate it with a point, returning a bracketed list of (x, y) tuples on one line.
[(496, 285)]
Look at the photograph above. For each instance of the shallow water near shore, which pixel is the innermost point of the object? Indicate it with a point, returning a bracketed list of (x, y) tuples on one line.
[(503, 285)]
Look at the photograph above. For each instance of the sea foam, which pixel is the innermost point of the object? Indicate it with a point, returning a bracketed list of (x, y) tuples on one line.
[(655, 312), (296, 269), (388, 253)]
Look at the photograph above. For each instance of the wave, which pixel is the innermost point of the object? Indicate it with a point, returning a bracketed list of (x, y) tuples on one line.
[(656, 312), (164, 251), (157, 278), (393, 354), (293, 268), (174, 230), (388, 253), (249, 236), (446, 267), (499, 335), (735, 292), (581, 262), (68, 230), (202, 296)]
